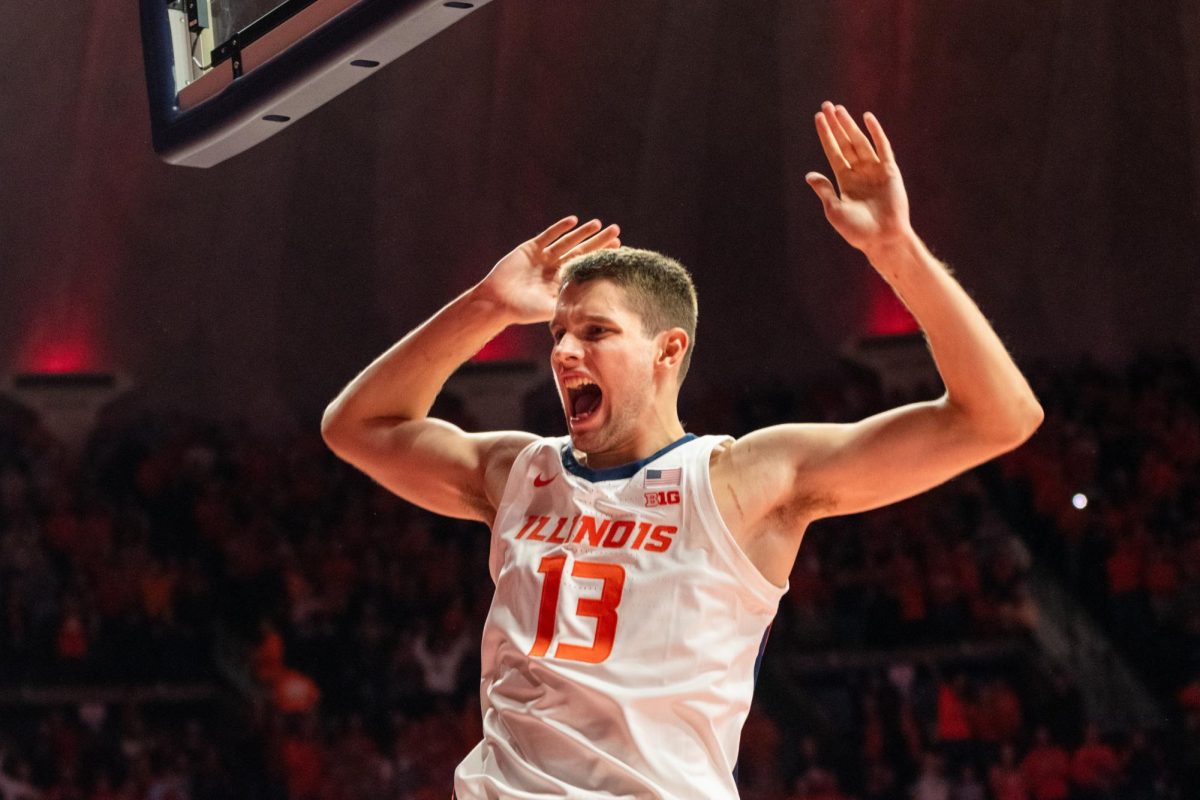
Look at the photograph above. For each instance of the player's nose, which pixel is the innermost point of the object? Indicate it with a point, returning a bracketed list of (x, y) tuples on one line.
[(566, 350)]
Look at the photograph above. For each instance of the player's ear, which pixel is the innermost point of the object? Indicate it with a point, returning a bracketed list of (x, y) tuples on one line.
[(673, 345)]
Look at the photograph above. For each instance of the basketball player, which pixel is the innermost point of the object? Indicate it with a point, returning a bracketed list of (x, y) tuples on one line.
[(637, 567)]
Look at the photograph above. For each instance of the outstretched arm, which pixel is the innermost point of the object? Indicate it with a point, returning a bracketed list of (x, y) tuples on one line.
[(379, 422), (987, 409)]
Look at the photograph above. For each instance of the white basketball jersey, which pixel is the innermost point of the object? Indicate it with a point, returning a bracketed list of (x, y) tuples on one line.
[(619, 654)]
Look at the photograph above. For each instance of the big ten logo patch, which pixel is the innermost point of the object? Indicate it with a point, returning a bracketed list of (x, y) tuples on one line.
[(668, 498)]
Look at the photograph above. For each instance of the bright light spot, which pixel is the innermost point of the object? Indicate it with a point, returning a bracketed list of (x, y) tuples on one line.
[(1079, 501)]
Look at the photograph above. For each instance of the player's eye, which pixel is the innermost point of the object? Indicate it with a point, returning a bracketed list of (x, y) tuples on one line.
[(595, 330), (557, 335)]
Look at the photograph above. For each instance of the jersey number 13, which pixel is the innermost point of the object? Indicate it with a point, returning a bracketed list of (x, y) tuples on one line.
[(604, 608)]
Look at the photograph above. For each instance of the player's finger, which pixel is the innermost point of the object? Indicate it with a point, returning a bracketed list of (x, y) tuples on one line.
[(556, 230), (573, 238), (600, 241), (839, 133), (881, 140), (823, 188), (862, 145), (829, 144)]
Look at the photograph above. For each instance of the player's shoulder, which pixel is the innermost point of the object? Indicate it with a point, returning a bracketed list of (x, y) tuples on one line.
[(790, 441), (736, 453), (721, 446), (757, 473), (516, 450)]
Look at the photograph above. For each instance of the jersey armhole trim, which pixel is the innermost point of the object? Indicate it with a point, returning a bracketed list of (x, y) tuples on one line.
[(523, 457), (767, 591)]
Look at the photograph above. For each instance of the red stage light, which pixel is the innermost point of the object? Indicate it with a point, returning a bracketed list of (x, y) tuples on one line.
[(57, 357), (508, 345), (887, 316)]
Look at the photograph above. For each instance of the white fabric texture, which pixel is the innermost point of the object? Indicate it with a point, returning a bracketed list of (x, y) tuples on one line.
[(650, 617)]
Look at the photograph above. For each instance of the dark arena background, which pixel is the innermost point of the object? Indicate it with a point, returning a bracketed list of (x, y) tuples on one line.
[(199, 602)]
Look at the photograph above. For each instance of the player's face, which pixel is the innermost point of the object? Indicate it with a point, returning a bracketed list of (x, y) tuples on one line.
[(603, 365)]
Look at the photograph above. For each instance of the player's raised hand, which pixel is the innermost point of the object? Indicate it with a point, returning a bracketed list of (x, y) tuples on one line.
[(869, 208), (525, 282)]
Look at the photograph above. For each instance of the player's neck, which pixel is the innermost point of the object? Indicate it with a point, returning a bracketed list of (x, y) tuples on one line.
[(643, 443)]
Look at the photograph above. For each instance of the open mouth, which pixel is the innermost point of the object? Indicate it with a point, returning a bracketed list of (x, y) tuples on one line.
[(583, 398)]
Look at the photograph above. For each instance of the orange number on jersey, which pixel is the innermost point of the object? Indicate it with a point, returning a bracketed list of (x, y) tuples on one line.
[(603, 609), (552, 568)]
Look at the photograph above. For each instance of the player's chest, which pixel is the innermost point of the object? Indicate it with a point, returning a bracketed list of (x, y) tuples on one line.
[(615, 516)]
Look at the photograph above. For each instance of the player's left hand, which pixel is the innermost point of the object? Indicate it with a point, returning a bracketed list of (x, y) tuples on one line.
[(869, 208)]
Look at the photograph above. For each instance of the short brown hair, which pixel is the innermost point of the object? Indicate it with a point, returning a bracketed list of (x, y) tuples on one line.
[(659, 288)]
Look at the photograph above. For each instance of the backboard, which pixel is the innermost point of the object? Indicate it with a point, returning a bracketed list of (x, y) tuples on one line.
[(223, 75)]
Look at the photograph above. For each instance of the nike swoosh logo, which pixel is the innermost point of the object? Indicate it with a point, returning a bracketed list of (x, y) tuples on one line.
[(539, 481)]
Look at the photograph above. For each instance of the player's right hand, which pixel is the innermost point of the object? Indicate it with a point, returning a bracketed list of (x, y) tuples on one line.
[(524, 284)]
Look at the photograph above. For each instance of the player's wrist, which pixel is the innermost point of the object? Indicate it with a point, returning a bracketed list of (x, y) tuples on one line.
[(896, 253), (484, 303)]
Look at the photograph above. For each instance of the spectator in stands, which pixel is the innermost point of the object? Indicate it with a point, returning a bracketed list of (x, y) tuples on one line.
[(1062, 711), (109, 547), (1095, 769), (907, 582), (998, 716), (1141, 769), (968, 786), (72, 639), (818, 784), (1006, 779), (932, 783), (947, 605), (169, 780), (881, 782), (955, 708), (440, 651), (356, 765), (302, 758), (103, 789), (1047, 768), (758, 759), (16, 780)]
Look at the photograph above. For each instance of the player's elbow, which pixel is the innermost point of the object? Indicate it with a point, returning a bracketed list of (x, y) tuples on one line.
[(358, 440), (331, 430), (337, 429), (1034, 415), (999, 427), (1021, 418), (346, 440)]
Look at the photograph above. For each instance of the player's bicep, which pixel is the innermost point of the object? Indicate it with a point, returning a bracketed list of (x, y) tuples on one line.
[(834, 469), (434, 464)]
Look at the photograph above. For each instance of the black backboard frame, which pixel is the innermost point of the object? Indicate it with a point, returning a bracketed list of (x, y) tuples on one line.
[(299, 79)]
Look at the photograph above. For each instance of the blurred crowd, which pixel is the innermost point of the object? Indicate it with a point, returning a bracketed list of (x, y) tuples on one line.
[(340, 626), (1110, 493)]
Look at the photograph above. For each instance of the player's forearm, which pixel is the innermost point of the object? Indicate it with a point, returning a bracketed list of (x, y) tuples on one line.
[(980, 377), (404, 381)]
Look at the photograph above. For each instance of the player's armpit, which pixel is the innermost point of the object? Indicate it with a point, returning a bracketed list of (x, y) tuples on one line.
[(824, 470), (434, 464)]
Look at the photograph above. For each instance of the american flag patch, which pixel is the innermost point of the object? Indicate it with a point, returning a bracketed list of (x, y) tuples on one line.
[(663, 477)]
